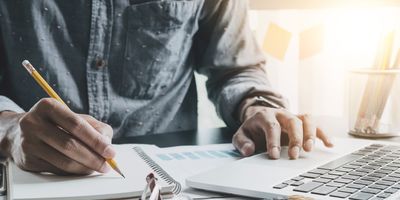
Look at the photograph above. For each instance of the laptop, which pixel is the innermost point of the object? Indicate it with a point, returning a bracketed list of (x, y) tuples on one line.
[(354, 169)]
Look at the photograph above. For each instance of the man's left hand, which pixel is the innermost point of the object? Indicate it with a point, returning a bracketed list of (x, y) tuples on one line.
[(263, 127)]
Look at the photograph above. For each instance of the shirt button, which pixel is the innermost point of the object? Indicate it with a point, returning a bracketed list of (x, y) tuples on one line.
[(100, 63)]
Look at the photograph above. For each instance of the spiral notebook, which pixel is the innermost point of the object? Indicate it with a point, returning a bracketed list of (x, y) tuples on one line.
[(132, 161)]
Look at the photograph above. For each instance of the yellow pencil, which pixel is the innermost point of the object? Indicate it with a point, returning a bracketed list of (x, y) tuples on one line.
[(46, 87)]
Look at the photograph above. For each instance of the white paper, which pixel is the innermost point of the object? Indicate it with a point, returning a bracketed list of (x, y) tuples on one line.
[(181, 162), (96, 186)]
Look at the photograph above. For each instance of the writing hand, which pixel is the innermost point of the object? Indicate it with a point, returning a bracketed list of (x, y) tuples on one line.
[(52, 138)]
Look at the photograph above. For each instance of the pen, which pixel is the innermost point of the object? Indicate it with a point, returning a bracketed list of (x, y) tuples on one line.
[(46, 87)]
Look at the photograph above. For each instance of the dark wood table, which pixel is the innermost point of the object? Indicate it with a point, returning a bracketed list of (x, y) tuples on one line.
[(194, 137)]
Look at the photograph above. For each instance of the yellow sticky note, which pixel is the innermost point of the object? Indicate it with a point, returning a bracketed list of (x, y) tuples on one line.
[(276, 41), (311, 41)]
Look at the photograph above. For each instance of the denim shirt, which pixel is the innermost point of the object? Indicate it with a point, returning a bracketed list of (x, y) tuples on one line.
[(131, 63)]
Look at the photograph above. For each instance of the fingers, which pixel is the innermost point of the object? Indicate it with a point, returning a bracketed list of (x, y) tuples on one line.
[(102, 128), (272, 131), (35, 164), (267, 124), (262, 132), (48, 133), (39, 157), (309, 131), (243, 143), (324, 137), (294, 128), (73, 148), (59, 160), (75, 125)]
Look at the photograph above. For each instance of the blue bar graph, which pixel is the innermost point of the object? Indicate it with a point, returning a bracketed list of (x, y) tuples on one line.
[(190, 155), (200, 154), (204, 154), (177, 156), (164, 157)]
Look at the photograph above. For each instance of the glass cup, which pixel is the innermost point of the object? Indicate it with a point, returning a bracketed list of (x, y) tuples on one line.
[(374, 102)]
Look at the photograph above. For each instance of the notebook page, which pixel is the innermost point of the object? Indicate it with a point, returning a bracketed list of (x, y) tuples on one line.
[(96, 186), (184, 161)]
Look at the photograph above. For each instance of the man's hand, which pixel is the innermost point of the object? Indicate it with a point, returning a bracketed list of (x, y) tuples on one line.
[(262, 129), (52, 138)]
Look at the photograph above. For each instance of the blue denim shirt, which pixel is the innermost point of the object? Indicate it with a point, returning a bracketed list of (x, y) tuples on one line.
[(131, 63)]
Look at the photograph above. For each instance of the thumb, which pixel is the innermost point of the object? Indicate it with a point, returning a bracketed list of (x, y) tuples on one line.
[(243, 143)]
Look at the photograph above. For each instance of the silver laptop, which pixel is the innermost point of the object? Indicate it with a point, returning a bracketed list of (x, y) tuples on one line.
[(354, 169)]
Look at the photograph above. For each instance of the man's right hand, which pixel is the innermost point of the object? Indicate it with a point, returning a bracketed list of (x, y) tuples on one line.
[(52, 138)]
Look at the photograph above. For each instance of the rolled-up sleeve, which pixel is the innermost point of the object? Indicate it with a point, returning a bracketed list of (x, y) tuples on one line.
[(6, 104), (228, 54)]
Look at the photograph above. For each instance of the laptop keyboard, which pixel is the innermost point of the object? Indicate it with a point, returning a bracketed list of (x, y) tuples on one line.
[(371, 173)]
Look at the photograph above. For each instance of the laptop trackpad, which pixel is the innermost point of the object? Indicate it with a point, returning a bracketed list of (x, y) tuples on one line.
[(257, 174)]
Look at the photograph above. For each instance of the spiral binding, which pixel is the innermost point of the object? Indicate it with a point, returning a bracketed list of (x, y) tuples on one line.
[(157, 169)]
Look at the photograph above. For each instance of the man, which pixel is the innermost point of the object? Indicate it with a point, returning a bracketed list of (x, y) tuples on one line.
[(130, 64)]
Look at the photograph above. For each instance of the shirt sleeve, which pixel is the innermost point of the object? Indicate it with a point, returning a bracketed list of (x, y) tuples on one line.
[(6, 104), (228, 54)]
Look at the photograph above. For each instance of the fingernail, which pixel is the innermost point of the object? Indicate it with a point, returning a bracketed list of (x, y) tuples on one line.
[(105, 168), (275, 153), (295, 151), (105, 139), (246, 149), (309, 144), (109, 152)]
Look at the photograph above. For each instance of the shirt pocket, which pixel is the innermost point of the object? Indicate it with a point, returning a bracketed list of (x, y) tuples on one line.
[(156, 42)]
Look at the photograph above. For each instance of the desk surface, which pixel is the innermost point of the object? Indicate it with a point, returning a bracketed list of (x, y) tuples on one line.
[(194, 137), (333, 126)]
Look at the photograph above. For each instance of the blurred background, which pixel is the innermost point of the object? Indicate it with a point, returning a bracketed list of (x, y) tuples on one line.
[(311, 45)]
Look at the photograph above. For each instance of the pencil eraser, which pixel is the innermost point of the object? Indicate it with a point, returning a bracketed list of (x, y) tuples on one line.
[(25, 62)]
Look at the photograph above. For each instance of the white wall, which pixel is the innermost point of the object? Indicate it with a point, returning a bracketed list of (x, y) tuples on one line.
[(318, 84)]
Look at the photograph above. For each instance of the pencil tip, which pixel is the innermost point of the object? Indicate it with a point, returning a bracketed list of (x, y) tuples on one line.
[(119, 172)]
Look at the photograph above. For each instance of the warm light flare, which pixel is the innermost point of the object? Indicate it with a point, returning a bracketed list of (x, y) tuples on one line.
[(357, 32)]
